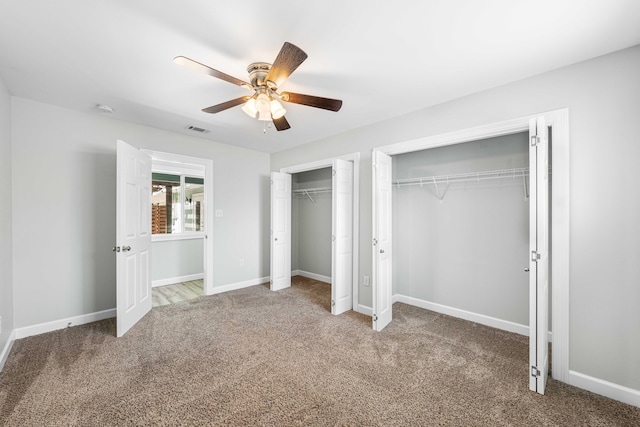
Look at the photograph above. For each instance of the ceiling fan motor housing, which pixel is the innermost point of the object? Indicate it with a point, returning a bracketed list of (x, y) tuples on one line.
[(258, 73)]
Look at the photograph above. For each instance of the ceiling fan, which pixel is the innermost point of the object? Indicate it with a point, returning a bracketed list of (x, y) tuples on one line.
[(266, 78)]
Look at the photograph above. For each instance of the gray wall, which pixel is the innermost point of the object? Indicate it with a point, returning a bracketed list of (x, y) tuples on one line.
[(311, 224), (64, 165), (469, 250), (6, 254), (603, 98), (176, 258)]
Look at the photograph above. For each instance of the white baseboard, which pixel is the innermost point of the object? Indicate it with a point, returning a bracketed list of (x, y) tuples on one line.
[(505, 325), (614, 391), (7, 349), (174, 280), (42, 328), (363, 309), (314, 276), (239, 285)]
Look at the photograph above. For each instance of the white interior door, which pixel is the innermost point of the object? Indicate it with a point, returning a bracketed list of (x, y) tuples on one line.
[(539, 261), (342, 237), (133, 236), (381, 275), (280, 231)]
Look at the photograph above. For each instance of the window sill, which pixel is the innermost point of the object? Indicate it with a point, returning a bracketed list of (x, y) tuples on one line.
[(179, 236)]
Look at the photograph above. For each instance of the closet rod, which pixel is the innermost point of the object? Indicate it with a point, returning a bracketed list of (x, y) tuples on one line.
[(464, 177), (315, 190)]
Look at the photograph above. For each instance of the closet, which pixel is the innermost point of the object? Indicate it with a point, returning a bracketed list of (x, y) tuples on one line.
[(461, 230), (312, 228), (311, 217)]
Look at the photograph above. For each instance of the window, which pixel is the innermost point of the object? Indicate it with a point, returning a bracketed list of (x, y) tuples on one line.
[(177, 203)]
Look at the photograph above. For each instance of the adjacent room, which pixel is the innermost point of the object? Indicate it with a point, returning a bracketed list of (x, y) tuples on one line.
[(334, 213)]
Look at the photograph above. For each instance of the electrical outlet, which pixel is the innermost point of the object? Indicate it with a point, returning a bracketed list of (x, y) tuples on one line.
[(219, 213), (241, 262), (366, 280)]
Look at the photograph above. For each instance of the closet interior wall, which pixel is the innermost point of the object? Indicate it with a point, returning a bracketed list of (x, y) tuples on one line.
[(465, 244), (311, 223)]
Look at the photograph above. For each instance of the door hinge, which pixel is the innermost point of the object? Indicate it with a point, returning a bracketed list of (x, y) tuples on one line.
[(375, 317), (271, 181), (375, 242), (535, 372), (333, 303), (535, 256), (333, 172), (535, 140)]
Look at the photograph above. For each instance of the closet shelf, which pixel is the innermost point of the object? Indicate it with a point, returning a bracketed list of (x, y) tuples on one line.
[(447, 180), (308, 192)]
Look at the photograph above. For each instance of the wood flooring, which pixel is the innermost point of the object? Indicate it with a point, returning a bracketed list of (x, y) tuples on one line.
[(169, 294)]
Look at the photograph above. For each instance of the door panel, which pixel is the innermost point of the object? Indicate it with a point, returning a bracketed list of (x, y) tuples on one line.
[(342, 237), (280, 231), (382, 256), (539, 262), (133, 236)]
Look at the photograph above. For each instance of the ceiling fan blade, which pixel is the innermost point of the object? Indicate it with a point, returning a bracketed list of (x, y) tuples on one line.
[(312, 101), (226, 105), (289, 58), (281, 123), (204, 69)]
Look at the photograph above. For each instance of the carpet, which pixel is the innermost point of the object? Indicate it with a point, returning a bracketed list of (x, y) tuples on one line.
[(256, 357)]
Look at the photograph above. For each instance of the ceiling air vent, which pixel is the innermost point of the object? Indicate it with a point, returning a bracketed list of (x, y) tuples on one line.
[(197, 129)]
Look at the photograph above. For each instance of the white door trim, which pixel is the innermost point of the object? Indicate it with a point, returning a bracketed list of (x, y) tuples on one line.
[(560, 202), (159, 156), (327, 163)]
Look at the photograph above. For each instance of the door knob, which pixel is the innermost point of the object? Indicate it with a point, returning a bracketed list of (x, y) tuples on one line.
[(381, 251), (126, 248), (116, 249), (276, 239), (526, 269)]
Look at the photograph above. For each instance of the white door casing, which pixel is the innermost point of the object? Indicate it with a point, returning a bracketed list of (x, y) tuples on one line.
[(382, 243), (133, 236), (342, 237), (280, 231), (539, 249)]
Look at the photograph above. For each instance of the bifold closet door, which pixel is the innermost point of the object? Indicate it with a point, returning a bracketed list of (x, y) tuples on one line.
[(539, 260), (133, 236), (280, 231), (382, 244), (342, 237)]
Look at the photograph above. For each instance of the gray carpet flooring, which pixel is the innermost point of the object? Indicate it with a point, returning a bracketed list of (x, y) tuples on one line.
[(256, 357)]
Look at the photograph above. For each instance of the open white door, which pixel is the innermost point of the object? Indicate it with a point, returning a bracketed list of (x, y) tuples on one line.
[(381, 275), (539, 261), (280, 231), (342, 237), (133, 236)]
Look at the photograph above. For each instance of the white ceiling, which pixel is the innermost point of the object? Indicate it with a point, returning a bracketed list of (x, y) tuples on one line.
[(382, 58)]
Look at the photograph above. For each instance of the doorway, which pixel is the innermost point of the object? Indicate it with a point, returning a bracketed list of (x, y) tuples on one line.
[(557, 122), (343, 189), (134, 226)]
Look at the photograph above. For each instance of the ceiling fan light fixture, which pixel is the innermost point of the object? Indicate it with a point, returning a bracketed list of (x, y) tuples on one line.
[(263, 105), (277, 110), (249, 107)]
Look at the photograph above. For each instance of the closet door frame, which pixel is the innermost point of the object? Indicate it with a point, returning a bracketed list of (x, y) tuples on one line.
[(328, 163), (558, 121)]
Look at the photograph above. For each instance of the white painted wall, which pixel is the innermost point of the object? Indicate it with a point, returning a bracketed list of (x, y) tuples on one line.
[(64, 168), (6, 256), (311, 224), (603, 98), (469, 250), (176, 258)]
